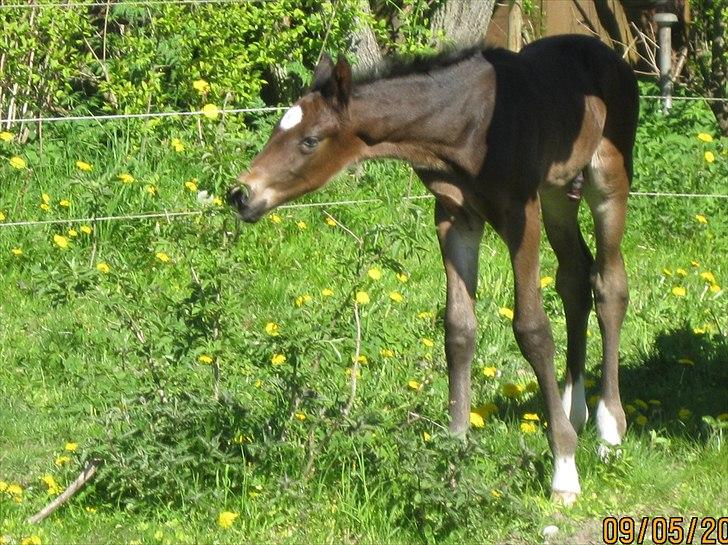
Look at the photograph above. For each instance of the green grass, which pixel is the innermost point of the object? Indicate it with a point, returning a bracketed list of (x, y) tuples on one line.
[(74, 367)]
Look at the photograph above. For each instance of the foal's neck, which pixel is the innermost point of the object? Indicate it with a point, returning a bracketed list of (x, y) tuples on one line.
[(436, 121)]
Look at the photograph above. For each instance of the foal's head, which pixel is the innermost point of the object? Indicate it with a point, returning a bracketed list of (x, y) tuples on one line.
[(312, 142)]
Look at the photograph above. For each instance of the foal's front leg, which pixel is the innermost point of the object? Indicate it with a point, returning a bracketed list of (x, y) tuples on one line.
[(459, 235), (521, 228)]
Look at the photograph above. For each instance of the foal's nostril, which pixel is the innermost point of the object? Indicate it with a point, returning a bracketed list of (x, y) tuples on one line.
[(238, 196)]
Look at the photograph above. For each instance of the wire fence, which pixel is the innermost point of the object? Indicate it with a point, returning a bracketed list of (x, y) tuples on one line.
[(328, 204), (34, 5), (221, 111)]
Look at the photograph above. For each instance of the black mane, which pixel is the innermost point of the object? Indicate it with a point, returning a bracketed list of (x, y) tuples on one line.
[(402, 66)]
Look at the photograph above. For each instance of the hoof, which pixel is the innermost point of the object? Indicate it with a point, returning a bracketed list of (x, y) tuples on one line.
[(567, 499)]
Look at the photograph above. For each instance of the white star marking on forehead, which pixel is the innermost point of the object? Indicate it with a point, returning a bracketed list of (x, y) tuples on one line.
[(292, 118)]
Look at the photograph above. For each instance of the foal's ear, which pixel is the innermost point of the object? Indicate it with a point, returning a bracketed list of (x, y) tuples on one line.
[(333, 81)]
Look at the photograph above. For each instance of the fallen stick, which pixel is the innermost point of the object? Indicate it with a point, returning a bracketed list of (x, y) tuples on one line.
[(88, 472)]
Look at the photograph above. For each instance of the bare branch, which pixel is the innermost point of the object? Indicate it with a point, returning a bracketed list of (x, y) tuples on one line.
[(85, 476)]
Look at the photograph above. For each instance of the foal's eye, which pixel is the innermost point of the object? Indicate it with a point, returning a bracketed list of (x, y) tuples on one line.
[(309, 143)]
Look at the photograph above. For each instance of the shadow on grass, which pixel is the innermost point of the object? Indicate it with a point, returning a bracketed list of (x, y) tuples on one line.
[(681, 379)]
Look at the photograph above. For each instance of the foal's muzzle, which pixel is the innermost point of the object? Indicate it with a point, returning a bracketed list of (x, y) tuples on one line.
[(238, 198)]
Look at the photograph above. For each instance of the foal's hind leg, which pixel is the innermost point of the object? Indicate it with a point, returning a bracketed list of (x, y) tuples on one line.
[(606, 192), (520, 229), (573, 286)]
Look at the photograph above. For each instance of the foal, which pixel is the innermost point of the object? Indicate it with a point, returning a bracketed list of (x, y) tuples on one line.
[(495, 136)]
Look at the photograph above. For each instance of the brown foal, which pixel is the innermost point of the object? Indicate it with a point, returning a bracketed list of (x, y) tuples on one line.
[(497, 137)]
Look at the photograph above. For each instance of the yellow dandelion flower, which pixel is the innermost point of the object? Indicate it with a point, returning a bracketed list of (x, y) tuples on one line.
[(362, 359), (687, 362), (705, 137), (486, 409), (528, 427), (210, 111), (51, 484), (414, 385), (428, 342), (708, 277), (331, 222), (61, 241), (177, 145), (700, 218), (6, 136), (272, 329), (226, 518), (386, 353), (72, 233), (65, 203), (71, 447), (2, 216), (303, 299), (374, 273), (275, 218), (641, 420), (490, 372), (217, 201), (402, 277), (684, 413), (425, 315), (204, 359), (496, 494), (667, 272), (161, 256), (86, 229), (278, 359), (362, 297), (681, 272), (533, 417), (512, 390), (300, 415), (709, 157), (17, 252), (83, 165), (151, 189), (201, 86), (695, 264), (396, 296), (546, 281), (125, 178), (301, 225), (31, 540), (103, 267), (17, 162), (714, 288), (349, 371), (327, 292), (60, 460), (476, 420), (426, 437), (679, 291), (506, 313), (45, 207), (191, 185), (90, 509)]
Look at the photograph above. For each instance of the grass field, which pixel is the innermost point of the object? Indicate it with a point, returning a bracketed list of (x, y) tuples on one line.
[(209, 365)]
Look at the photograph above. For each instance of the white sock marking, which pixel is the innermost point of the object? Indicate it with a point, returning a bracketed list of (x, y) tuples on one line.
[(291, 118), (607, 425), (574, 402), (566, 478)]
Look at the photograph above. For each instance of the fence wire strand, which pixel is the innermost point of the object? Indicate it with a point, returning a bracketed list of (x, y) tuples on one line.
[(355, 202), (31, 5)]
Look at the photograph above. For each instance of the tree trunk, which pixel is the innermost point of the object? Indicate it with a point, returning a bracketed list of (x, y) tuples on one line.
[(363, 43), (463, 22), (720, 111)]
